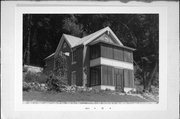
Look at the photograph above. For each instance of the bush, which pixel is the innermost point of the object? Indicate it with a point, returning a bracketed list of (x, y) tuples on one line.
[(29, 77), (25, 69), (35, 77), (55, 83), (26, 87), (41, 78)]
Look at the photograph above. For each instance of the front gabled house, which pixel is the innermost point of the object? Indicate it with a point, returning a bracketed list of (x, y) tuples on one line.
[(98, 60)]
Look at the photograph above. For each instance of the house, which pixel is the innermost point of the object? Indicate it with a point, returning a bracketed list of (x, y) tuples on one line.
[(98, 60)]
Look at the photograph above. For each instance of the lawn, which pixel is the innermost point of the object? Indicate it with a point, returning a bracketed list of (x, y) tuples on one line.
[(80, 97)]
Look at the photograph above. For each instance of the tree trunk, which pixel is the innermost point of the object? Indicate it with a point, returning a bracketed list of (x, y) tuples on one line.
[(151, 78), (29, 40)]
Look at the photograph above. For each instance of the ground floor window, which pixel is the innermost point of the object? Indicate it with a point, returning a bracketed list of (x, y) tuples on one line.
[(128, 78), (73, 78), (95, 75), (107, 75)]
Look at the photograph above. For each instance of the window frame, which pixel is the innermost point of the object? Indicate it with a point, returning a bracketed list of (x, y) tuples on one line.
[(95, 73), (95, 51), (74, 55)]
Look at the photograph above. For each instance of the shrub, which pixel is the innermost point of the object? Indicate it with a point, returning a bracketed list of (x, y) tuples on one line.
[(55, 83), (25, 69), (26, 87), (29, 77), (35, 77), (41, 78)]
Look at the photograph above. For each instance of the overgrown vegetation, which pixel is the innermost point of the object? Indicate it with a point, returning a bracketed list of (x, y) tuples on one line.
[(35, 77)]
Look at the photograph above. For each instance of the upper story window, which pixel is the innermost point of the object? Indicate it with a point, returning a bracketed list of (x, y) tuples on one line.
[(128, 56), (95, 51), (107, 52), (111, 52), (64, 45), (74, 56)]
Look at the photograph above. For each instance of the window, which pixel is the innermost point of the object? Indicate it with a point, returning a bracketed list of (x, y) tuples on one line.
[(74, 56), (118, 54), (128, 56), (95, 76), (94, 51), (128, 78), (106, 52), (73, 78), (64, 45), (107, 78)]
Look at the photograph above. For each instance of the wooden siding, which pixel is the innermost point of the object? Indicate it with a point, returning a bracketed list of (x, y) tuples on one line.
[(105, 38), (77, 66)]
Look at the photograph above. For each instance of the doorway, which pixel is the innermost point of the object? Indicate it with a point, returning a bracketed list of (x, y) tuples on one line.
[(118, 79)]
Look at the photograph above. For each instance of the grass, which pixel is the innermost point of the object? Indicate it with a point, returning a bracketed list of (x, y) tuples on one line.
[(102, 96)]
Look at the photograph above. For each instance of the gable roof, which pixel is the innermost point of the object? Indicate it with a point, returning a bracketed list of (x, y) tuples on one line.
[(93, 36), (87, 39), (75, 41), (72, 40)]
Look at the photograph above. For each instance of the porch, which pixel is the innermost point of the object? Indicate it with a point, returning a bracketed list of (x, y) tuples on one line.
[(111, 67)]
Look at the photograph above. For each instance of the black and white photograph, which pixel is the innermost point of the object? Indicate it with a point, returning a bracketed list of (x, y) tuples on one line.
[(107, 60), (90, 58)]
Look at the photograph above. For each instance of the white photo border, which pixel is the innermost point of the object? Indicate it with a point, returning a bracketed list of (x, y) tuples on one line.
[(70, 9)]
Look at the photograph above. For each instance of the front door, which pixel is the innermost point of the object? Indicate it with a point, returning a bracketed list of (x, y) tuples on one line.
[(118, 79)]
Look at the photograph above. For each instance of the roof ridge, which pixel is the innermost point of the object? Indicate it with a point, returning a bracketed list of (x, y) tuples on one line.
[(71, 35), (96, 31), (85, 38)]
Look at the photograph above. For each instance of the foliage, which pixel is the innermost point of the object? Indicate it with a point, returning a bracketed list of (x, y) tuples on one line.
[(61, 66), (34, 86), (26, 87), (34, 77), (55, 83)]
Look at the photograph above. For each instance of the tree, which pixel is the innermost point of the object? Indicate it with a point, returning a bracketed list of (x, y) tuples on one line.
[(72, 26), (26, 54)]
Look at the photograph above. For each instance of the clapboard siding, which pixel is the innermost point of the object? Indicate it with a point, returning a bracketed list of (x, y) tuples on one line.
[(77, 66)]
